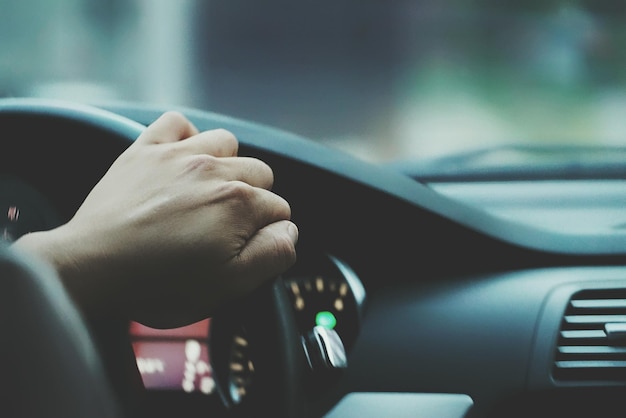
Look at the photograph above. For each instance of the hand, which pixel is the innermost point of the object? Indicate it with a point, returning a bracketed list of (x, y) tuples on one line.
[(178, 226)]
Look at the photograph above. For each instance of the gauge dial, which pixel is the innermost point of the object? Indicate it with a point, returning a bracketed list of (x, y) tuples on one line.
[(329, 299)]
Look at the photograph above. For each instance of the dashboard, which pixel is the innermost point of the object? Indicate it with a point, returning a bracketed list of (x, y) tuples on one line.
[(452, 300)]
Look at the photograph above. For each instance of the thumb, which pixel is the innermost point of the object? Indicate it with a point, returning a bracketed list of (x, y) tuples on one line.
[(267, 254)]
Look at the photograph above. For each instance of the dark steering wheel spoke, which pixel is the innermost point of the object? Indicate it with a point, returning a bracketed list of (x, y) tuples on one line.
[(274, 352)]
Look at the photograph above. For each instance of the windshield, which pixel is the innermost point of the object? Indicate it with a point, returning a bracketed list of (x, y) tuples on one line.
[(382, 80)]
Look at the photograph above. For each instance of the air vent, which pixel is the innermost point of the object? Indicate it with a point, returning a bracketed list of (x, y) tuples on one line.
[(592, 339)]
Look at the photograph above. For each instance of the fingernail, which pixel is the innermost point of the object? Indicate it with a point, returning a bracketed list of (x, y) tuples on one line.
[(292, 229)]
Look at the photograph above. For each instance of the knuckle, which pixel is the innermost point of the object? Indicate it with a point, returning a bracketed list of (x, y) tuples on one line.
[(285, 209), (227, 137), (166, 152), (281, 210), (266, 171), (261, 172), (237, 191), (202, 162), (175, 117)]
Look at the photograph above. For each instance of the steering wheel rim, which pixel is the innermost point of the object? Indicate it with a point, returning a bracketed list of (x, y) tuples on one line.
[(280, 365), (33, 304), (79, 113)]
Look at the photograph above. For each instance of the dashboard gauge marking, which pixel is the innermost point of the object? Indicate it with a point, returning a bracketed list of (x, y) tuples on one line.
[(339, 304), (343, 289), (295, 288), (236, 367), (299, 303), (241, 341), (240, 367), (319, 284)]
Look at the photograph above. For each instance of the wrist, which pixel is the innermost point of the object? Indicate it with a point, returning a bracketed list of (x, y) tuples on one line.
[(45, 246), (71, 258)]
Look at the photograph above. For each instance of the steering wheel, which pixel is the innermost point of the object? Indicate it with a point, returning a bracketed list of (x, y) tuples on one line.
[(38, 319)]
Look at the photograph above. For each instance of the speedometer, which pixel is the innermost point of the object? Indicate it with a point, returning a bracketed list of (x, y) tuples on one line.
[(330, 296)]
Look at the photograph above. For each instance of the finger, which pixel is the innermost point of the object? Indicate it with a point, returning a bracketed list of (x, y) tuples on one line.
[(169, 127), (216, 142), (248, 170), (251, 208), (270, 252)]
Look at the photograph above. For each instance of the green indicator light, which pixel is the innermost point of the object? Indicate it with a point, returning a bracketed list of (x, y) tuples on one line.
[(325, 319)]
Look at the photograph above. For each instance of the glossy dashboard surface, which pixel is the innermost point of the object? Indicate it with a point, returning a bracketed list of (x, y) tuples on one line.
[(450, 299)]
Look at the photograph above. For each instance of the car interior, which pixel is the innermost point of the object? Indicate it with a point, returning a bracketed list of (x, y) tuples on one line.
[(456, 170), (408, 298)]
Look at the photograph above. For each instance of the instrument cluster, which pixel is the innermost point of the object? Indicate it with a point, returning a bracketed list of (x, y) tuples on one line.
[(184, 359)]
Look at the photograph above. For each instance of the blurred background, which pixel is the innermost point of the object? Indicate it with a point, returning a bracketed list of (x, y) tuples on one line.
[(381, 79)]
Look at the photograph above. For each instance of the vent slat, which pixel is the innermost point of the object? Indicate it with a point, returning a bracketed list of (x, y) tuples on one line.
[(599, 304), (583, 334), (594, 319), (591, 364), (593, 349), (588, 349)]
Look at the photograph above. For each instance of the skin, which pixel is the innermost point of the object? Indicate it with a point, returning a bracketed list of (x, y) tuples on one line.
[(177, 227)]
